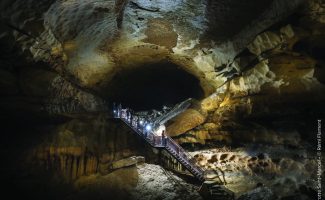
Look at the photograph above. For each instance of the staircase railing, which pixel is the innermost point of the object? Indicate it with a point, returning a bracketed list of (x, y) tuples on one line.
[(159, 142), (190, 159)]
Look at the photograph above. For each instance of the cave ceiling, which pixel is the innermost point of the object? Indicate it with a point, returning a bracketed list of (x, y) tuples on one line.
[(86, 43)]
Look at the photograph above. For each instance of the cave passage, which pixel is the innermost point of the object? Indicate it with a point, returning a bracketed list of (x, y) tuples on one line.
[(152, 86)]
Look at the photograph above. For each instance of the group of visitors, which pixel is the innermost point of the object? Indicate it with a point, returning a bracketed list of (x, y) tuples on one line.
[(156, 135), (141, 124)]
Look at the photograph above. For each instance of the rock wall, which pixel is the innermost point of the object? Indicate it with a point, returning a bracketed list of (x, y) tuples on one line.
[(263, 83), (87, 146), (277, 86), (92, 51)]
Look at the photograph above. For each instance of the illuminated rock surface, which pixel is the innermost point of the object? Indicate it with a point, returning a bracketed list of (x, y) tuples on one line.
[(157, 183), (255, 68)]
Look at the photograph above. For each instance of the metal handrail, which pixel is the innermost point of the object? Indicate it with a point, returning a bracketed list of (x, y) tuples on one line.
[(188, 159), (140, 133)]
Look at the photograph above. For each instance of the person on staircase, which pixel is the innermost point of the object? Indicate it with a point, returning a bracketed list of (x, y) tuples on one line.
[(140, 123), (119, 109), (131, 119), (135, 121), (144, 131), (163, 138), (128, 114)]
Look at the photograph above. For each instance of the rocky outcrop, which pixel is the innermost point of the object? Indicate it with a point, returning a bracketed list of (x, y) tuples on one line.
[(85, 147), (127, 162), (263, 88), (66, 98), (144, 181), (157, 183), (187, 120), (272, 84), (270, 40), (93, 51), (281, 170)]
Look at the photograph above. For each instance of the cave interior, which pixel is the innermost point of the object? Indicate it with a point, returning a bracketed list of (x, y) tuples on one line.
[(240, 85)]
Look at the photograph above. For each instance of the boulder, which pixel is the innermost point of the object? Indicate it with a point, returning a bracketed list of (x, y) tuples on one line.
[(127, 162), (212, 102), (263, 42), (184, 122)]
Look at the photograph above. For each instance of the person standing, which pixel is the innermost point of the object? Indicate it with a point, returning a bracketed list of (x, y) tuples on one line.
[(163, 138), (135, 121), (145, 130), (130, 115), (127, 114), (119, 109)]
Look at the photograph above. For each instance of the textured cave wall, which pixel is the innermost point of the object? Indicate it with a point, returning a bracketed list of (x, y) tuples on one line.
[(111, 31), (83, 57), (227, 18), (260, 126), (264, 85), (278, 95), (86, 146)]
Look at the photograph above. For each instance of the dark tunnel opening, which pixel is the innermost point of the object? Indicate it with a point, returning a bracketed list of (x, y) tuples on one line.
[(315, 47), (152, 86)]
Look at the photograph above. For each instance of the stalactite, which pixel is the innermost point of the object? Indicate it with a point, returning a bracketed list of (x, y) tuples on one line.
[(63, 163), (81, 165), (68, 167)]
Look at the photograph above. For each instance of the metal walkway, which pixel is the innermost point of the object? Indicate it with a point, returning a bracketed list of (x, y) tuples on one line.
[(143, 129)]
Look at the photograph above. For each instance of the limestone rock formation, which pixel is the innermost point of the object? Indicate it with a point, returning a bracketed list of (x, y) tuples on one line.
[(83, 147), (157, 183), (256, 67), (184, 122), (126, 162)]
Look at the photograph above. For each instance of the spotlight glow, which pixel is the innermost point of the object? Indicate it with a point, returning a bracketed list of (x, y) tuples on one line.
[(148, 127)]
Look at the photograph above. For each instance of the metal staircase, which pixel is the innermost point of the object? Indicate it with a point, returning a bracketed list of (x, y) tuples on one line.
[(210, 189), (166, 143)]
